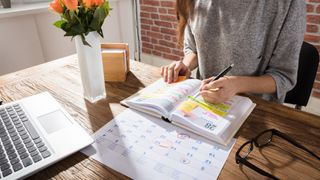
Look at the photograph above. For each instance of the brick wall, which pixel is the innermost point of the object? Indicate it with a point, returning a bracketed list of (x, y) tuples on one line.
[(313, 35), (158, 29), (158, 35)]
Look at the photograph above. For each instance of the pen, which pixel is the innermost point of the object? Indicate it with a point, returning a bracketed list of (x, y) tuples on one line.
[(220, 75)]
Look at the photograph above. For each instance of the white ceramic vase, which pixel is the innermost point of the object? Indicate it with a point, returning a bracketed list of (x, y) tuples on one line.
[(91, 68)]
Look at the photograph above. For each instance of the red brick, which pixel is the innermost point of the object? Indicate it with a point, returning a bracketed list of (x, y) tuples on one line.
[(162, 49), (170, 56), (316, 85), (154, 41), (163, 24), (147, 45), (174, 39), (145, 39), (168, 31), (172, 12), (313, 19), (310, 7), (316, 94), (312, 38), (145, 15), (151, 2), (316, 1), (163, 10), (167, 43), (312, 28), (318, 48), (154, 16), (168, 18), (143, 32), (318, 76), (145, 27), (146, 21), (157, 53), (167, 37), (318, 9), (155, 29), (148, 9), (168, 4), (178, 52), (155, 35)]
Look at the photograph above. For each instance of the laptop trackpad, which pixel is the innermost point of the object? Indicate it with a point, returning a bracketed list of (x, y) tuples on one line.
[(54, 121)]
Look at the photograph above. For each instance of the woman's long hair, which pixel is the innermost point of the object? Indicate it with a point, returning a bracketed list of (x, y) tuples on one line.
[(184, 8)]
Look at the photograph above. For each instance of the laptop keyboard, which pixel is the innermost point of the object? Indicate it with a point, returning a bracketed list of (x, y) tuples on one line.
[(20, 144)]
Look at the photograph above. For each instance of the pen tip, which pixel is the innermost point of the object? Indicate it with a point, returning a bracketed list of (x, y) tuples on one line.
[(231, 65)]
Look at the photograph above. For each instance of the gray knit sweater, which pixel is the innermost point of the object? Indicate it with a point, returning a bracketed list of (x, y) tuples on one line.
[(258, 36)]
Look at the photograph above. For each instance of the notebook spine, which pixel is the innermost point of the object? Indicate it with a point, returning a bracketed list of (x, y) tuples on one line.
[(165, 119)]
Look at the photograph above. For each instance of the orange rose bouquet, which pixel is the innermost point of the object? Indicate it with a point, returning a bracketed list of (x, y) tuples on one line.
[(79, 17)]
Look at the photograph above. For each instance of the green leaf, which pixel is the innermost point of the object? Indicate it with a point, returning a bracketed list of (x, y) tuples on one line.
[(59, 23), (84, 40), (74, 16), (70, 33), (78, 29), (106, 7)]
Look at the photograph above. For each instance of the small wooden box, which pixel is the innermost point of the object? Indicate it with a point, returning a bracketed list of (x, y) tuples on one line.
[(115, 58)]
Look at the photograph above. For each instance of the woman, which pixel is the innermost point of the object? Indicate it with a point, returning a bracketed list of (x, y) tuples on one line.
[(262, 38)]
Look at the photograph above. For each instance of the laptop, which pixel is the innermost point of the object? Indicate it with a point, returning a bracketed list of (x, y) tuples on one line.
[(36, 132)]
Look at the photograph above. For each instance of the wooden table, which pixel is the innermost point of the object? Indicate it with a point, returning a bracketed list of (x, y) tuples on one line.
[(62, 79)]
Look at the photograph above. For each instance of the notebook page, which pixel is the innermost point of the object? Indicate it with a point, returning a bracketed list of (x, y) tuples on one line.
[(163, 96), (217, 122)]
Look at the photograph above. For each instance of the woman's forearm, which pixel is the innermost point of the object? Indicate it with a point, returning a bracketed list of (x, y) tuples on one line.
[(191, 61), (257, 84)]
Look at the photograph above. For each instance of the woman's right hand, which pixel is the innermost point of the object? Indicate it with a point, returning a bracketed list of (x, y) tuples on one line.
[(171, 72)]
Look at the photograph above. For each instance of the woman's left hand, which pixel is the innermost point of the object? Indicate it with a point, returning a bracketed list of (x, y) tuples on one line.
[(220, 90)]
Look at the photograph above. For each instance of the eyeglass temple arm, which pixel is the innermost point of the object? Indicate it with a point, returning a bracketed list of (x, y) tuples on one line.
[(294, 142), (262, 172)]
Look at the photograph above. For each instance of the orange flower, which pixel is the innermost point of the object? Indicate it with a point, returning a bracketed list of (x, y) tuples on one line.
[(71, 4), (99, 2), (56, 6), (88, 3)]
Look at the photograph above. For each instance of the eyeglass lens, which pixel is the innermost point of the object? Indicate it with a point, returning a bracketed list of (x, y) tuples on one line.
[(264, 139), (245, 151)]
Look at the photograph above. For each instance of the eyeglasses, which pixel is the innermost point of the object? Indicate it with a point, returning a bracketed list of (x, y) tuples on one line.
[(263, 139)]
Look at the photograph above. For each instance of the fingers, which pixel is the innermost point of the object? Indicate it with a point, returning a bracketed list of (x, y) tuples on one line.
[(162, 70), (171, 72), (214, 84), (170, 76), (176, 71), (213, 96), (218, 91), (165, 74), (204, 82)]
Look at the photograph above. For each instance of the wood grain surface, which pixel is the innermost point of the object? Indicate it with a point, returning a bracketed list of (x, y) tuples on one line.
[(62, 79)]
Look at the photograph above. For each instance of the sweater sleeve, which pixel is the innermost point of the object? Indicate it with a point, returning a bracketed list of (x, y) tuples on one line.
[(283, 65), (189, 44)]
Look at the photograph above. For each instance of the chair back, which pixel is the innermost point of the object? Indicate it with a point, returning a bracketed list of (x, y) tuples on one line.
[(307, 70)]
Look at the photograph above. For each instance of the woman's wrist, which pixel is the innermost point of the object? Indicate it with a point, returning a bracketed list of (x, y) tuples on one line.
[(190, 61), (254, 84), (240, 83)]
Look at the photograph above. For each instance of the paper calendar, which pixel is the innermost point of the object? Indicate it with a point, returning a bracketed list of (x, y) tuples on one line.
[(144, 147)]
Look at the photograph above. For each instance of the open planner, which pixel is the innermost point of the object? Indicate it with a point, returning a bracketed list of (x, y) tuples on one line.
[(176, 104)]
